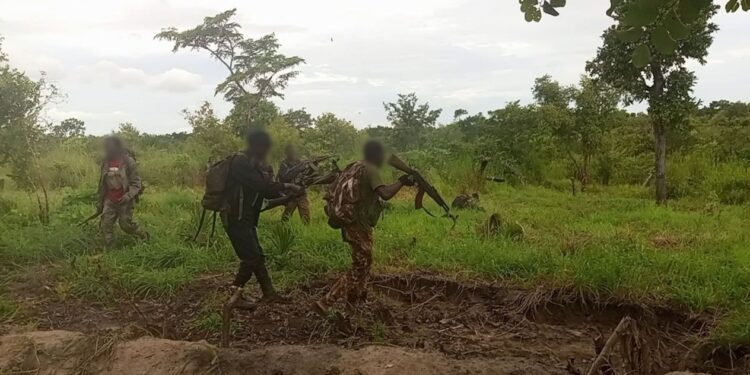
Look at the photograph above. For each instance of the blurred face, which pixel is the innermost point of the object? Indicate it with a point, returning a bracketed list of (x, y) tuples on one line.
[(261, 151), (377, 158), (111, 149), (291, 153)]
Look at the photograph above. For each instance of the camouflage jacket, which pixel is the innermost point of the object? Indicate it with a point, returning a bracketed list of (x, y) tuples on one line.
[(127, 173)]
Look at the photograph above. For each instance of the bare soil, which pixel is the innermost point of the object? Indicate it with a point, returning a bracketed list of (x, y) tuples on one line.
[(411, 324)]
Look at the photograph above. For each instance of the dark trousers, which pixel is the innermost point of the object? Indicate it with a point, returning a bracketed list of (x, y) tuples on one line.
[(244, 238)]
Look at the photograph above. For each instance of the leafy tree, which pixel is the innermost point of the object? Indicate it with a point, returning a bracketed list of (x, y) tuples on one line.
[(68, 128), (459, 113), (129, 133), (662, 80), (410, 120), (282, 133), (21, 102), (548, 92), (243, 117), (211, 133), (257, 71), (332, 135), (299, 118)]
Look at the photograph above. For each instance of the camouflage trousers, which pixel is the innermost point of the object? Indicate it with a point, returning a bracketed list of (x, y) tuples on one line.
[(353, 284), (122, 214), (302, 204)]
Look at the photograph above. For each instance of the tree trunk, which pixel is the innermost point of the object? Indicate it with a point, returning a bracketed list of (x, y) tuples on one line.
[(584, 172), (660, 162), (660, 133)]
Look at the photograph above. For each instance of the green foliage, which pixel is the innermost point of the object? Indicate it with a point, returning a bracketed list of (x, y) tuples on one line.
[(256, 70), (332, 135), (410, 120)]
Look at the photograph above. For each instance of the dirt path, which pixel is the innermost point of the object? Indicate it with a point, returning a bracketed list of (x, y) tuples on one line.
[(419, 320)]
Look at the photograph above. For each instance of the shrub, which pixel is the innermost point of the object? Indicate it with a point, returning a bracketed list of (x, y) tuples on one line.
[(735, 192)]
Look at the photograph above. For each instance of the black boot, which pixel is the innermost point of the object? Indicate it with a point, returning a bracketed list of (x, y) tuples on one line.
[(266, 286)]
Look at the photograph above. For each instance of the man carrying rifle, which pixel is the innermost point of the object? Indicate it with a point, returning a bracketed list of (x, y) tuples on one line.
[(250, 182), (119, 189), (353, 204), (286, 169)]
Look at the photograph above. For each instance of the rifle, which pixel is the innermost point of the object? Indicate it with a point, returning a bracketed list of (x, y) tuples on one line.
[(424, 188), (92, 217), (306, 171), (322, 180)]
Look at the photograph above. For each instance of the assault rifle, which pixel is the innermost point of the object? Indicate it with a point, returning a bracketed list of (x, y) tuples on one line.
[(305, 174), (305, 170), (424, 188)]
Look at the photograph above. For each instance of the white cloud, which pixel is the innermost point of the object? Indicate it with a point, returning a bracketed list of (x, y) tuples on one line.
[(322, 77), (173, 80), (177, 80), (473, 54)]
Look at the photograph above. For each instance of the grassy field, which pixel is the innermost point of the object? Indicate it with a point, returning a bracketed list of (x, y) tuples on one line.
[(612, 242)]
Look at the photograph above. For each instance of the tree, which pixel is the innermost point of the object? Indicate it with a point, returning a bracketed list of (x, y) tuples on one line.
[(459, 113), (410, 120), (662, 80), (596, 105), (299, 118), (211, 133), (21, 103), (332, 135), (68, 128), (257, 71), (129, 133)]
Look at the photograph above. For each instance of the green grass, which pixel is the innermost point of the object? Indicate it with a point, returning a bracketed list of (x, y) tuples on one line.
[(612, 241)]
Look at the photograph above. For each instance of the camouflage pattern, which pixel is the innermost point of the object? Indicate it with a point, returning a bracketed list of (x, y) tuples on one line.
[(302, 204), (122, 214), (126, 177), (353, 284)]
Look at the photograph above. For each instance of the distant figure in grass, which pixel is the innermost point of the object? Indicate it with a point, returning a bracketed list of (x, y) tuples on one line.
[(119, 189), (353, 204), (250, 182), (302, 204)]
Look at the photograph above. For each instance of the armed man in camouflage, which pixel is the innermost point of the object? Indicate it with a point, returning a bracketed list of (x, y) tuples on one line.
[(302, 204), (361, 178), (119, 189)]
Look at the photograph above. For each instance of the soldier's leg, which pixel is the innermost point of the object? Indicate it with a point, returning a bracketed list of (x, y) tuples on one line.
[(289, 210), (127, 224), (241, 237), (353, 282), (361, 241), (107, 222), (303, 205)]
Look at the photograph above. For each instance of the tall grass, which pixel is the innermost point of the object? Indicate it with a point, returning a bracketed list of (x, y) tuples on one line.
[(612, 241)]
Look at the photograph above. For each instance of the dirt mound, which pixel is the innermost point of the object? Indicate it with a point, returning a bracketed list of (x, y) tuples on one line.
[(62, 352)]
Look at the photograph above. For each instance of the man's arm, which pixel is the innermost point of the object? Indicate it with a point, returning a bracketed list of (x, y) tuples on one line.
[(249, 176), (386, 192), (135, 180)]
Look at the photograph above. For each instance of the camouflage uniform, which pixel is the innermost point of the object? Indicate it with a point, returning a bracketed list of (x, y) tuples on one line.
[(302, 203), (359, 236), (124, 177)]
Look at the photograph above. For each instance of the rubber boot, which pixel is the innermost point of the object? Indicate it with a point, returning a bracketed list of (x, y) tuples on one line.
[(266, 286)]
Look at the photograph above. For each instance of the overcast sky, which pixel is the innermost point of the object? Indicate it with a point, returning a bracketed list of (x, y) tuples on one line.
[(472, 54)]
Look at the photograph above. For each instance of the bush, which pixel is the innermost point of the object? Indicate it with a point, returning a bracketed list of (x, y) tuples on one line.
[(735, 192)]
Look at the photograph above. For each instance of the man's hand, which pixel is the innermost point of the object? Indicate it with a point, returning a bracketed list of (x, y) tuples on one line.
[(294, 189), (407, 180), (125, 199)]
